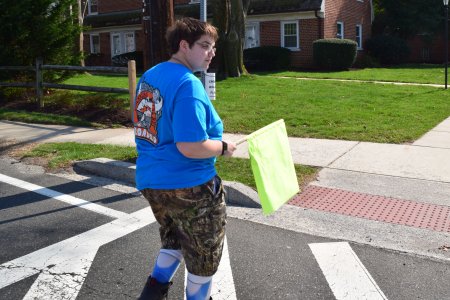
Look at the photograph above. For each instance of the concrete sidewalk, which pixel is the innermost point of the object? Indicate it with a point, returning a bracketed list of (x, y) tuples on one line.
[(417, 174), (417, 171), (426, 159)]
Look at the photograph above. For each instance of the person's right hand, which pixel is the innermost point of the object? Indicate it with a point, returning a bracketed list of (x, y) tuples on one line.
[(230, 149)]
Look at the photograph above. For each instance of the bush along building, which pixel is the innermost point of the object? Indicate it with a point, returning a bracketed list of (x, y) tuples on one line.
[(116, 27)]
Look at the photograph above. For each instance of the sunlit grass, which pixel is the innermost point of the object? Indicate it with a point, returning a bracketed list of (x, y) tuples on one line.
[(404, 73), (362, 111), (332, 110), (61, 155), (43, 118)]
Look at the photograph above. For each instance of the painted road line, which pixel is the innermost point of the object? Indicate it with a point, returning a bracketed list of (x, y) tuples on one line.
[(346, 275), (63, 267), (223, 283), (62, 197)]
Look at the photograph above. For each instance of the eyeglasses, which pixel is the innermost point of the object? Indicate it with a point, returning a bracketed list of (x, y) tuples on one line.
[(207, 47)]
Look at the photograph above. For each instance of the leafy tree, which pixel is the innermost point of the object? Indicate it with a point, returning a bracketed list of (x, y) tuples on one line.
[(39, 28), (404, 18), (229, 18)]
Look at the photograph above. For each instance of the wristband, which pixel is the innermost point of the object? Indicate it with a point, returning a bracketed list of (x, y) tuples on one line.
[(224, 147)]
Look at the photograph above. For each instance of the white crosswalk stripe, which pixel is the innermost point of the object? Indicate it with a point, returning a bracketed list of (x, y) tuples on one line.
[(62, 197), (223, 283), (63, 267), (345, 273)]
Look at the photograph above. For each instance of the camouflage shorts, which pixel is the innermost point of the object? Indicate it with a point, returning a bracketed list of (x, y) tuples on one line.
[(193, 220)]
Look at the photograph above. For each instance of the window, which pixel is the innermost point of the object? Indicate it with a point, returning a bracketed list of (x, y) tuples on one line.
[(425, 54), (115, 44), (95, 43), (289, 35), (194, 1), (359, 36), (129, 42), (251, 35), (92, 7), (340, 30), (122, 42)]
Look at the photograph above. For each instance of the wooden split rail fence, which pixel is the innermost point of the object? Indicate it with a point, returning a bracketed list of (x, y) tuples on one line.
[(39, 85)]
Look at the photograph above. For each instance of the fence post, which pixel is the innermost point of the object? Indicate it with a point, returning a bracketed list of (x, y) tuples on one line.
[(39, 79), (132, 84)]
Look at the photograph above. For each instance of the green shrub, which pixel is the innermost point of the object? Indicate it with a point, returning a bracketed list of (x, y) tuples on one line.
[(366, 61), (334, 54), (389, 50), (8, 94), (267, 58)]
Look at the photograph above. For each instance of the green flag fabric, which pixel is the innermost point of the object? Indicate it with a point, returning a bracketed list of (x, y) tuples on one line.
[(272, 166)]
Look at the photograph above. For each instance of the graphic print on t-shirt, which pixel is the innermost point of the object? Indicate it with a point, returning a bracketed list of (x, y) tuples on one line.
[(147, 111)]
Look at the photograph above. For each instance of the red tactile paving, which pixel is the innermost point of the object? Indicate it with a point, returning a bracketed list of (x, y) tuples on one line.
[(378, 208)]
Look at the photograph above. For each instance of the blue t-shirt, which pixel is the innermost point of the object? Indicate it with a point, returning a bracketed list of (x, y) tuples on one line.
[(171, 106)]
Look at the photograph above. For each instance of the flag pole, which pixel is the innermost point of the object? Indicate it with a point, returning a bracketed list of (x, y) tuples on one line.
[(242, 140), (245, 138)]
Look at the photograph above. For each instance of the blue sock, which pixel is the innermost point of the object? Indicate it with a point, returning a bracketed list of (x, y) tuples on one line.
[(166, 265), (198, 287)]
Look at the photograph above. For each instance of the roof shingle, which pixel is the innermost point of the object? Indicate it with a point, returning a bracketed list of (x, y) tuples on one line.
[(258, 7)]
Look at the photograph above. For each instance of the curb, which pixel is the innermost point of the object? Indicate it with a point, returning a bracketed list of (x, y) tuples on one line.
[(236, 193)]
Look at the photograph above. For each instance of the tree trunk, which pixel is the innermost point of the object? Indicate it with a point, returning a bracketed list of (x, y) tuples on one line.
[(158, 16), (81, 39), (229, 18)]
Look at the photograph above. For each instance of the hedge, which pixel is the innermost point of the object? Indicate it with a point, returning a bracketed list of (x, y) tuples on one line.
[(267, 58), (388, 50), (334, 54)]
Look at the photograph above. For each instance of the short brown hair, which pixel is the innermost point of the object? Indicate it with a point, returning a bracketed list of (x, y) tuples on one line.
[(190, 30)]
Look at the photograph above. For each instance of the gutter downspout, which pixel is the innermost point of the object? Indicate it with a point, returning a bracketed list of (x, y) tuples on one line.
[(319, 23)]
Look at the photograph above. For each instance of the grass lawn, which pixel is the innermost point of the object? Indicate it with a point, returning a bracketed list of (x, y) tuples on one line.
[(364, 111), (403, 73), (117, 81), (317, 109), (46, 118), (328, 109), (371, 112), (60, 155)]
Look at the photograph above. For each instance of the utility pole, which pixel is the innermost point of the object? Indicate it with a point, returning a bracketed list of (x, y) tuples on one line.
[(203, 17), (446, 41), (157, 15), (208, 79)]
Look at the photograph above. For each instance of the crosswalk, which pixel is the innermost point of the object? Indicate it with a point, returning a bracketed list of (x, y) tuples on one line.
[(63, 267), (345, 273)]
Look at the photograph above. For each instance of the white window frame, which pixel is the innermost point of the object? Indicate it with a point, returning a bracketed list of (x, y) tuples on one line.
[(194, 1), (340, 35), (257, 34), (297, 27), (91, 42), (90, 11), (122, 42), (359, 32), (113, 47), (125, 40)]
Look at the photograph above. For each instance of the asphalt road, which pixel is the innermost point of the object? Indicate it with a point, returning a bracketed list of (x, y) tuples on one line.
[(64, 239)]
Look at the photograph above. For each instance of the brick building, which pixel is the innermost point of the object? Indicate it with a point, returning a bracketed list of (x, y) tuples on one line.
[(427, 49), (116, 25)]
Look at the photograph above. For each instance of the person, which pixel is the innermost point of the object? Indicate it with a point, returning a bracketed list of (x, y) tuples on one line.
[(178, 136)]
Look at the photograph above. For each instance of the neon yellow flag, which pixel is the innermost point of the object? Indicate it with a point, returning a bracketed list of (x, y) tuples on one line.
[(272, 165)]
